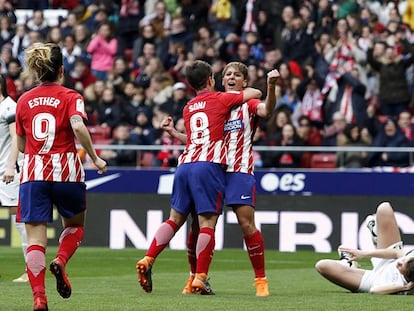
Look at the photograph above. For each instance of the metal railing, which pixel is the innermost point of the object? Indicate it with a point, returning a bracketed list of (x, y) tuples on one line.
[(315, 149)]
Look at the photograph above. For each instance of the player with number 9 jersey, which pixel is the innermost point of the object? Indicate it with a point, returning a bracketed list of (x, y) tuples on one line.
[(48, 119), (43, 116)]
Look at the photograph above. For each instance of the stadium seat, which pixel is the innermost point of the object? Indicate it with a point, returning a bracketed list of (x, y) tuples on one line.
[(99, 132), (323, 160), (146, 159)]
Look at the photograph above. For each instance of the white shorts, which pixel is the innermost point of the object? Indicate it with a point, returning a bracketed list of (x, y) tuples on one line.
[(371, 277), (9, 193)]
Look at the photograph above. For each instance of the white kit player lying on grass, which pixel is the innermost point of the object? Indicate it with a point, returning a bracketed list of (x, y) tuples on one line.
[(393, 268)]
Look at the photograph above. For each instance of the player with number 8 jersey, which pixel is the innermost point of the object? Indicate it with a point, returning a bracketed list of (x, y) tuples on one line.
[(205, 116), (199, 182)]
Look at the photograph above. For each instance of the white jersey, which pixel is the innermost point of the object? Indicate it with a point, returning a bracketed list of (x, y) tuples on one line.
[(239, 130), (385, 272), (7, 116)]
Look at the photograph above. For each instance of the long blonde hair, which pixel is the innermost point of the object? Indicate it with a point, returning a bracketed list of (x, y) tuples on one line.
[(44, 61)]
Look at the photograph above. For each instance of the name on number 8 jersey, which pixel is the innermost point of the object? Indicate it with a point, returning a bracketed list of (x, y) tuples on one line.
[(204, 119)]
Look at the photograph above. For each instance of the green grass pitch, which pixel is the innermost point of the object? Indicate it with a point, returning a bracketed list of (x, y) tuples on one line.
[(104, 279)]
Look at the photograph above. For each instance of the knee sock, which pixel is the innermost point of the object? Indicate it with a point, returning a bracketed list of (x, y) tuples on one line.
[(36, 267), (21, 228), (69, 241), (162, 237), (205, 249), (191, 251), (255, 248)]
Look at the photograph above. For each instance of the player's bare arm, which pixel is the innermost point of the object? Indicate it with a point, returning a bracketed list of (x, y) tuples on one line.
[(391, 289), (250, 93), (82, 134), (385, 253), (265, 109), (21, 143), (14, 152)]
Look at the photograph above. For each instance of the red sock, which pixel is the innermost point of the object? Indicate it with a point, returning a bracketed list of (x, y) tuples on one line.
[(69, 241), (255, 248), (205, 249), (36, 267), (191, 251), (162, 237)]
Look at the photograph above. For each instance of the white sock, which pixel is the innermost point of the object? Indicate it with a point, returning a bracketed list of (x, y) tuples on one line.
[(21, 228)]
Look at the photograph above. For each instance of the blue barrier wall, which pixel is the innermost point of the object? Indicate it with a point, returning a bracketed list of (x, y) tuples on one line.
[(295, 210), (304, 182)]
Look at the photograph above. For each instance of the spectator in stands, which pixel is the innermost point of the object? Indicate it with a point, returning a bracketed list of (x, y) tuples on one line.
[(130, 13), (38, 23), (109, 109), (394, 96), (67, 25), (256, 78), (311, 99), (223, 18), (167, 157), (20, 41), (266, 28), (120, 157), (406, 125), (143, 133), (353, 137), (330, 132), (99, 16), (160, 19), (82, 36), (103, 48), (208, 37), (119, 75), (297, 42), (390, 135), (273, 59), (256, 48), (161, 88), (288, 158), (350, 99), (148, 35), (14, 70), (310, 135), (6, 30), (275, 124), (54, 35), (71, 52), (249, 16), (93, 97), (243, 54), (6, 9), (133, 100), (148, 52), (147, 72), (81, 75), (175, 103), (343, 57), (179, 33)]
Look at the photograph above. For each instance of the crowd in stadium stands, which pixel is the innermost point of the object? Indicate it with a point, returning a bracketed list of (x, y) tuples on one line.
[(347, 72)]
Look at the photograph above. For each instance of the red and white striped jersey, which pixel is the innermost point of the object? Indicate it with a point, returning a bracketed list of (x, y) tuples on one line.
[(43, 118), (204, 118), (239, 130)]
